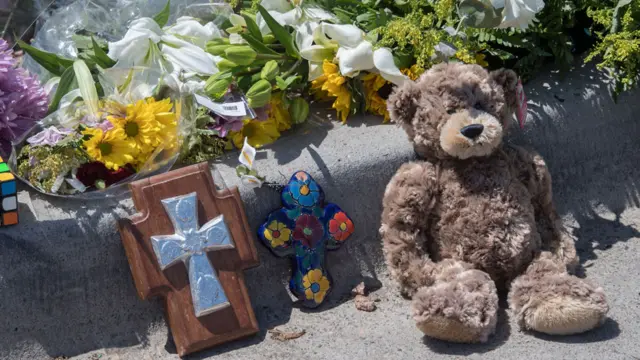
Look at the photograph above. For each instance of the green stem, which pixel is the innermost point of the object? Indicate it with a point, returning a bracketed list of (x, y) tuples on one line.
[(293, 68), (249, 72), (273, 57)]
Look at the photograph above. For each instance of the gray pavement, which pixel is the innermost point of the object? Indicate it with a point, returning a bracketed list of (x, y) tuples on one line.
[(66, 288)]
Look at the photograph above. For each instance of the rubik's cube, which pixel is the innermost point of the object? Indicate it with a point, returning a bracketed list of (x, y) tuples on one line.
[(8, 197)]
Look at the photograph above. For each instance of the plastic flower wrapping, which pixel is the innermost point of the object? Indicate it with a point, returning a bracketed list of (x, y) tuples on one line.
[(97, 145)]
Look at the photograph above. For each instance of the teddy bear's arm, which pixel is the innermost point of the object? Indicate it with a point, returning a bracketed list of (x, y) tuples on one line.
[(408, 200), (534, 173)]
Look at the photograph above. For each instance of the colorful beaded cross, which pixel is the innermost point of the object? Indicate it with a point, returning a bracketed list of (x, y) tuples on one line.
[(305, 227), (8, 198)]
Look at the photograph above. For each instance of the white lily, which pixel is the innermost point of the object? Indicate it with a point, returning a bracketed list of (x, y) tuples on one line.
[(176, 49), (189, 29), (136, 44), (518, 13), (348, 45), (291, 12)]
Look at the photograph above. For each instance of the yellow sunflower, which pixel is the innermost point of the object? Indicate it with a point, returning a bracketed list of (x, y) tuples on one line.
[(375, 103), (333, 84), (112, 148), (258, 133), (278, 114), (139, 125), (315, 285)]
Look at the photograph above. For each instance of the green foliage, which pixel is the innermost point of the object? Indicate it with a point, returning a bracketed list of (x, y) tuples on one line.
[(619, 48)]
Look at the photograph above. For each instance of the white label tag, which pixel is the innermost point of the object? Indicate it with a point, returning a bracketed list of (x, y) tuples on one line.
[(226, 109), (247, 155)]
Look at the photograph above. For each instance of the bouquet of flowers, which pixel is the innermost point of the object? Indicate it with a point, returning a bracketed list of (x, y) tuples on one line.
[(97, 145), (255, 66)]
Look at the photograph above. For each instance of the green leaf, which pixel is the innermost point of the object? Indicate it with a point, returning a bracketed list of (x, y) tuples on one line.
[(100, 56), (479, 13), (280, 32), (241, 170), (51, 62), (257, 45), (253, 28), (284, 84), (163, 16), (66, 84), (280, 83), (87, 86)]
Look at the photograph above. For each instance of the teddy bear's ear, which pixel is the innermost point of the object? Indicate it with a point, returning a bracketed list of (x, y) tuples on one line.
[(403, 103), (508, 80)]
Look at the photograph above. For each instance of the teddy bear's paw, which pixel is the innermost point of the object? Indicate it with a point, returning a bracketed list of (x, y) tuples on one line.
[(462, 310), (561, 305)]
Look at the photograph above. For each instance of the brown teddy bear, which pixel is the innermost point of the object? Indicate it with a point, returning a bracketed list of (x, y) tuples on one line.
[(475, 217)]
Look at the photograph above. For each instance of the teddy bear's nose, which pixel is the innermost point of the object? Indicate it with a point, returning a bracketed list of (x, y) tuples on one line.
[(472, 131)]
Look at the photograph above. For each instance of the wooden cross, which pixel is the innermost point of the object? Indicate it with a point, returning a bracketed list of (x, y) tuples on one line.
[(304, 228), (196, 268)]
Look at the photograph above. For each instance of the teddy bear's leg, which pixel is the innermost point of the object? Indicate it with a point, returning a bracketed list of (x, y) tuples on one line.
[(549, 300), (460, 306)]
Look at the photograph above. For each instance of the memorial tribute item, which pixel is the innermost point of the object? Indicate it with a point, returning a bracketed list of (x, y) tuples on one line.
[(8, 197), (189, 244), (305, 228), (474, 217)]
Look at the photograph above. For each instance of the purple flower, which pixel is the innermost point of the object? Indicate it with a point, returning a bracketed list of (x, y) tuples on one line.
[(225, 124), (49, 136), (104, 125), (23, 101)]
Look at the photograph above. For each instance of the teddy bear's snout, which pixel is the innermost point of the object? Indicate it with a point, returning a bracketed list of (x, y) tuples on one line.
[(472, 131)]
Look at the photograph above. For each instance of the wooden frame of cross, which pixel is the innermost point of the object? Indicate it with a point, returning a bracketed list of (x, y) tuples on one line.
[(183, 269)]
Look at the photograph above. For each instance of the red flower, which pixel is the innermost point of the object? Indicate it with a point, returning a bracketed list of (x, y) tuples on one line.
[(308, 230), (341, 227), (92, 172)]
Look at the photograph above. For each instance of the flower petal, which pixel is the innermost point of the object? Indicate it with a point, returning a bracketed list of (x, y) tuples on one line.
[(309, 294), (324, 284), (304, 34), (383, 61), (291, 17), (276, 5), (318, 14), (191, 59), (315, 71), (194, 32), (237, 20), (315, 275), (317, 53), (345, 35), (353, 60)]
